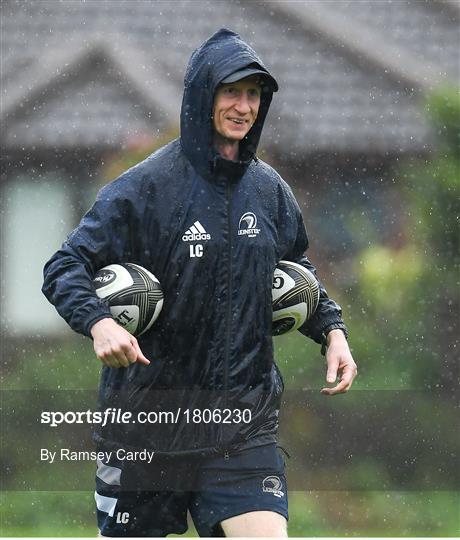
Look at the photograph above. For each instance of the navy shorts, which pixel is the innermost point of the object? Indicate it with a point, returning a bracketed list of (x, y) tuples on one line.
[(139, 499)]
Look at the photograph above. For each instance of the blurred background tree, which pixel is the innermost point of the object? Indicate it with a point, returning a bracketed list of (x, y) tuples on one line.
[(411, 292)]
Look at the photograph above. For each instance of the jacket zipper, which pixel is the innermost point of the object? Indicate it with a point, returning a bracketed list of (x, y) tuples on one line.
[(229, 309)]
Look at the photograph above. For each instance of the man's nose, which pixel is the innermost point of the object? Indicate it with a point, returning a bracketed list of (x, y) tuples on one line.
[(242, 105)]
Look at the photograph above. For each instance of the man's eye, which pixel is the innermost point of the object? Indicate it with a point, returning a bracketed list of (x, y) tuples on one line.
[(254, 92)]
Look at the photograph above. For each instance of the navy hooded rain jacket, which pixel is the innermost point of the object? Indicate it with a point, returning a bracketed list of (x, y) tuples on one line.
[(211, 347)]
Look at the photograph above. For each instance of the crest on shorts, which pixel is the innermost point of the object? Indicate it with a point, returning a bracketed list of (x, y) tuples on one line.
[(272, 484)]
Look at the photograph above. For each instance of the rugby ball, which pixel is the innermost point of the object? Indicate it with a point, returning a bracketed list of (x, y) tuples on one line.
[(295, 297), (134, 295)]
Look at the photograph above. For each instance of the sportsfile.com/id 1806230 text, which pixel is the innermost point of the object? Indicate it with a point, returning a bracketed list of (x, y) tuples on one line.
[(118, 416)]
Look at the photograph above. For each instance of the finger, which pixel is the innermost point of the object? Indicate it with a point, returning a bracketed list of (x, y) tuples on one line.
[(348, 375), (332, 367), (114, 360), (112, 357), (108, 361), (140, 356), (114, 363), (143, 360), (104, 357), (122, 359), (342, 387), (131, 353), (119, 358)]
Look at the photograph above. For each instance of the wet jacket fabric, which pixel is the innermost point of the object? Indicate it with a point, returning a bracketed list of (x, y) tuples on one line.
[(211, 347)]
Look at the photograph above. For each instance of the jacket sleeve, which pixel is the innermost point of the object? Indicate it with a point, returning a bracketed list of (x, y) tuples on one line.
[(101, 238), (328, 314)]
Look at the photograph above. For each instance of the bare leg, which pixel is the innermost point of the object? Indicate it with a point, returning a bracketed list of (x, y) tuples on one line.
[(256, 524)]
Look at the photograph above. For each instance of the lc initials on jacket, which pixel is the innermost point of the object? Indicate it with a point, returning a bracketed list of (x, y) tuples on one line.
[(212, 231)]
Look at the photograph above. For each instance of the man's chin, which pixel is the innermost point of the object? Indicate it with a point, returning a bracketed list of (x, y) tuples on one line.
[(236, 136)]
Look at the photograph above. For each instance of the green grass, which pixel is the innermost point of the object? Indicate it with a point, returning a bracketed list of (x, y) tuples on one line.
[(320, 513)]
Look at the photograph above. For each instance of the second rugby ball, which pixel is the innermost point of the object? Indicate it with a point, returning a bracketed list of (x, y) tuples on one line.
[(295, 297)]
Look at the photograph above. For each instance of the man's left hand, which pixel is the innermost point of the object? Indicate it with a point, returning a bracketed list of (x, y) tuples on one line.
[(340, 363)]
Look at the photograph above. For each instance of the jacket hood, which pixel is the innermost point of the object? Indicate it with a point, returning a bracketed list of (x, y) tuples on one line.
[(221, 55)]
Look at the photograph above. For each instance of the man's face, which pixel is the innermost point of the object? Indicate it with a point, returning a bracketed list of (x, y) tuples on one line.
[(235, 108)]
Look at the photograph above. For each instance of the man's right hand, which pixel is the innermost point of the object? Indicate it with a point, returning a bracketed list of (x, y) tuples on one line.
[(114, 346)]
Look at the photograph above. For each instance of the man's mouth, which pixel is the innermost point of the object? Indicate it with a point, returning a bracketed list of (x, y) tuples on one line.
[(237, 121)]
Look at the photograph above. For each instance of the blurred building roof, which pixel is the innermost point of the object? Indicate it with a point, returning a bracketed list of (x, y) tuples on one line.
[(352, 74)]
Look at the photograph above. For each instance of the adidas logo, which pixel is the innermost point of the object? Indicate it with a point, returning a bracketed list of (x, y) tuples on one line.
[(196, 232)]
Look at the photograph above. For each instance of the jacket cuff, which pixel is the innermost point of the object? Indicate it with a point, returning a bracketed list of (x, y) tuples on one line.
[(94, 320), (334, 326), (325, 332)]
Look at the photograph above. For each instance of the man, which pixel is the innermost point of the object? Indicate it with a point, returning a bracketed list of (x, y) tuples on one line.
[(211, 348)]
